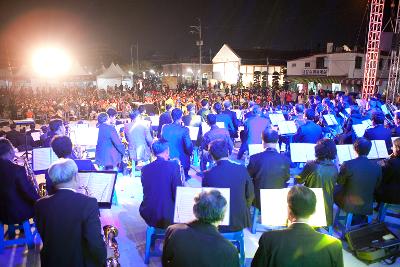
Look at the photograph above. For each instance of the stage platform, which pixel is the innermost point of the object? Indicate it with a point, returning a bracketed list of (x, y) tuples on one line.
[(132, 229)]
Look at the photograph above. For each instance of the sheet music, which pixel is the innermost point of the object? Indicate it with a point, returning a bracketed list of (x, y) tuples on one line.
[(381, 149), (302, 152), (35, 136), (154, 120), (220, 124), (205, 127), (193, 132), (330, 119), (184, 202), (99, 184), (359, 129), (385, 109), (274, 208), (275, 118), (345, 153), (255, 149), (287, 127), (367, 122), (42, 158), (86, 136)]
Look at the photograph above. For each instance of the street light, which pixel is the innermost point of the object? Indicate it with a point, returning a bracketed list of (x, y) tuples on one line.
[(199, 43)]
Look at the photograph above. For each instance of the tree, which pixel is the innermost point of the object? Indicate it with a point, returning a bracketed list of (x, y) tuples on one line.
[(256, 79)]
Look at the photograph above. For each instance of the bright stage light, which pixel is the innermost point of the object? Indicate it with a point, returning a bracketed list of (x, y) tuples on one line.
[(51, 62)]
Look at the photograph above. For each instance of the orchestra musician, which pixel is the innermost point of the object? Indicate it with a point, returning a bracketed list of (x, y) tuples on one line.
[(159, 180), (378, 131), (17, 193), (68, 222), (109, 148), (396, 130), (56, 128)]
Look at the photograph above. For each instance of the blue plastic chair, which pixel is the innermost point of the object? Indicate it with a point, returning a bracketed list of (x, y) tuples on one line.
[(237, 238), (28, 238), (152, 234), (344, 222), (383, 211), (256, 213)]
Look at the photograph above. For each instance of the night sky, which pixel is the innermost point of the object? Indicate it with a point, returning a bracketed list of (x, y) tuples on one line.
[(162, 26)]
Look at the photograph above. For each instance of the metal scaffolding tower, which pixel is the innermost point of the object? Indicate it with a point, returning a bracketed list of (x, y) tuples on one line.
[(393, 82), (372, 54)]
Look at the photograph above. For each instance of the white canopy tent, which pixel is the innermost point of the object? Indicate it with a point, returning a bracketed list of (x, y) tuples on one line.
[(112, 76)]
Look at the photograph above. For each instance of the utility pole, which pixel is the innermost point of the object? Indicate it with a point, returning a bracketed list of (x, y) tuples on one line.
[(199, 43), (137, 56)]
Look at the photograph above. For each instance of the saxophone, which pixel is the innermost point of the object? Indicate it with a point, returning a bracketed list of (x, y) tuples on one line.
[(182, 172), (39, 188), (110, 232)]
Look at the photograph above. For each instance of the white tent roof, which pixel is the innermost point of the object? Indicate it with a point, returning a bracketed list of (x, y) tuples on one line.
[(112, 72), (121, 70)]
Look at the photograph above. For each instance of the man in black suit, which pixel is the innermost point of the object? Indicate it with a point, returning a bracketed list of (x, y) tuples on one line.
[(268, 169), (17, 194), (225, 118), (165, 118), (213, 134), (310, 132), (159, 180), (68, 222), (204, 110), (227, 174), (227, 110), (62, 147), (178, 138), (299, 244), (13, 135), (198, 243), (378, 131), (358, 179)]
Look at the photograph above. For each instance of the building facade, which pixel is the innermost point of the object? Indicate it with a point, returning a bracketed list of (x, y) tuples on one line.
[(340, 71)]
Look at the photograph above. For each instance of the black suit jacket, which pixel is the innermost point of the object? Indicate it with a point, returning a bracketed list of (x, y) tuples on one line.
[(180, 145), (269, 170), (379, 132), (69, 226), (227, 174), (298, 245), (17, 194), (165, 118), (14, 137), (358, 179), (389, 189), (197, 244), (159, 180), (232, 115)]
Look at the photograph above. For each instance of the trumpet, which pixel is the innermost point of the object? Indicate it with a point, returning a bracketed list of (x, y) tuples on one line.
[(110, 232)]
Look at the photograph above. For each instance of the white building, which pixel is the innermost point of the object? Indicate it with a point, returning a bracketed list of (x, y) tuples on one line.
[(228, 63), (185, 73), (341, 71)]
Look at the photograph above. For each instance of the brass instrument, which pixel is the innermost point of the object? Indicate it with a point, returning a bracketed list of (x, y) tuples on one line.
[(110, 233), (182, 172), (39, 188)]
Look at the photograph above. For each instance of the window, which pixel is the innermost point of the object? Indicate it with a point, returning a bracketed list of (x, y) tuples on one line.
[(293, 65), (358, 63), (307, 64), (320, 61)]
